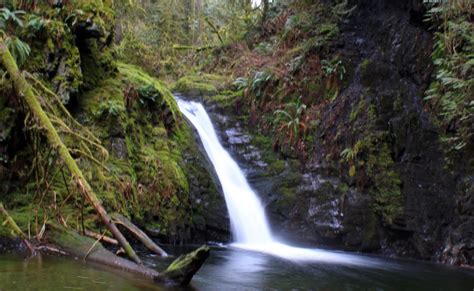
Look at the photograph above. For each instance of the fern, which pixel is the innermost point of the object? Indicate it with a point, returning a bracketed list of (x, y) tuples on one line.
[(35, 25), (451, 94), (333, 67), (240, 83), (259, 83), (10, 17), (19, 49), (290, 124)]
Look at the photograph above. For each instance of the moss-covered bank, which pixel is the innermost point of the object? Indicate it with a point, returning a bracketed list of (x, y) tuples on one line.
[(121, 125)]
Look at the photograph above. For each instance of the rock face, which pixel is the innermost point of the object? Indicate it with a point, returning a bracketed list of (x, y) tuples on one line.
[(386, 50), (210, 217), (390, 49)]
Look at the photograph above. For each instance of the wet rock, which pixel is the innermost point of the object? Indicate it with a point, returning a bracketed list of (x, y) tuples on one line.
[(88, 29), (235, 137), (209, 211), (119, 148), (9, 244), (385, 47)]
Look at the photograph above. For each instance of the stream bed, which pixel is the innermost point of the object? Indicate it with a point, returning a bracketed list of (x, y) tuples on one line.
[(229, 268)]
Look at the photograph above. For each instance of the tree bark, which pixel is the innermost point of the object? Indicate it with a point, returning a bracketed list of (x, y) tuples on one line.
[(24, 90)]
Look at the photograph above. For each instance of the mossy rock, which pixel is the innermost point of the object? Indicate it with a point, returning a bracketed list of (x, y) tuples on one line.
[(148, 178), (225, 99), (200, 85)]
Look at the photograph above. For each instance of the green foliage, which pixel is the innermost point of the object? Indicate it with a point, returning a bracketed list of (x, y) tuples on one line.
[(73, 17), (111, 107), (259, 82), (149, 95), (34, 25), (290, 124), (146, 177), (8, 17), (240, 83), (19, 49), (333, 67), (451, 93), (161, 36), (370, 161), (264, 48), (9, 21), (349, 155), (341, 10), (386, 190)]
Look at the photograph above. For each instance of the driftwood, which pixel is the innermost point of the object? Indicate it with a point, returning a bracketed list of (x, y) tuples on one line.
[(100, 237), (25, 91), (138, 233), (179, 272)]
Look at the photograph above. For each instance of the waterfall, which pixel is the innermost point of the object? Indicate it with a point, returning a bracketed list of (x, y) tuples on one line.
[(247, 216), (248, 221)]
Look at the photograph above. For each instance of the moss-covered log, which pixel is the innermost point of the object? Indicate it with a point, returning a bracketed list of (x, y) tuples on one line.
[(24, 90), (180, 272), (138, 233), (184, 267)]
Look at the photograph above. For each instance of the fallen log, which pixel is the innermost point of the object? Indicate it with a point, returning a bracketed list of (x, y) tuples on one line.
[(138, 233), (103, 238), (185, 266), (24, 89), (180, 271)]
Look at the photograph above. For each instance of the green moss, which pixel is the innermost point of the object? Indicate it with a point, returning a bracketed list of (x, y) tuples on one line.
[(356, 110), (136, 75), (158, 183), (364, 65), (110, 90), (369, 233), (54, 50), (287, 197), (378, 164), (225, 98), (277, 166), (22, 216), (96, 64), (200, 85)]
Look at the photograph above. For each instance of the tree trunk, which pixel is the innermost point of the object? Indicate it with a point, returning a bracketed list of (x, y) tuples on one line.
[(138, 233), (179, 272), (25, 91), (264, 11)]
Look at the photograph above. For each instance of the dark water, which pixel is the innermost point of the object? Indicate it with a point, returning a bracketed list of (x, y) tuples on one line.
[(233, 269)]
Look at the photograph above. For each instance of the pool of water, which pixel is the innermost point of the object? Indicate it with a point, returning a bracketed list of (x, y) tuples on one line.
[(230, 268)]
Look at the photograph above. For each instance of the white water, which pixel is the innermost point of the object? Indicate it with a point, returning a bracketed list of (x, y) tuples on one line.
[(249, 223)]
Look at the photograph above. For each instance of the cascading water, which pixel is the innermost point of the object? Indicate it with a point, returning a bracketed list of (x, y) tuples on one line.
[(249, 223)]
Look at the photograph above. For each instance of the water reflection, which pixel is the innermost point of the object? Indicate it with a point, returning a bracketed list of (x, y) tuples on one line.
[(236, 269)]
